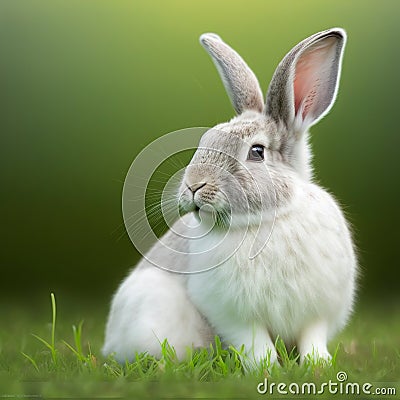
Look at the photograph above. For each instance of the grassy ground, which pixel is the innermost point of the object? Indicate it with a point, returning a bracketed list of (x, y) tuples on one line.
[(64, 360)]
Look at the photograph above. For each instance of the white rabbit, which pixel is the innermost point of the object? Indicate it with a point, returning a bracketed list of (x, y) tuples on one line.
[(280, 258)]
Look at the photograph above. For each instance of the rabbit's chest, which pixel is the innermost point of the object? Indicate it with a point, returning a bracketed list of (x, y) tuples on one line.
[(238, 257), (267, 286), (280, 282)]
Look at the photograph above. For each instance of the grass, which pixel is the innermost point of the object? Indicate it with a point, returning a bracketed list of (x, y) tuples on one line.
[(63, 358)]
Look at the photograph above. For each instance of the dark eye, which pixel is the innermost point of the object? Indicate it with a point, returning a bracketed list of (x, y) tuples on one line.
[(256, 153)]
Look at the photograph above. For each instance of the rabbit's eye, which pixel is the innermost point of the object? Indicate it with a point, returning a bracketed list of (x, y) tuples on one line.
[(256, 153)]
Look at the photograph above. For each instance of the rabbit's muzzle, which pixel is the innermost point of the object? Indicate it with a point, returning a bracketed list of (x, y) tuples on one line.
[(201, 188), (197, 195)]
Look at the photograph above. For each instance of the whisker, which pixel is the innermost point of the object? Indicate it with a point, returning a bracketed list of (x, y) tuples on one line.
[(153, 210)]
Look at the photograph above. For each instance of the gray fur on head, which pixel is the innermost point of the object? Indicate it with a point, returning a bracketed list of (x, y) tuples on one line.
[(302, 91)]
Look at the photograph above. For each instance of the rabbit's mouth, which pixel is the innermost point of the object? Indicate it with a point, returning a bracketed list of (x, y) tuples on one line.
[(206, 213), (213, 217)]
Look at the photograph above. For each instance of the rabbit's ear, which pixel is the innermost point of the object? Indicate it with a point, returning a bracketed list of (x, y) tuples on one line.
[(239, 80), (304, 86)]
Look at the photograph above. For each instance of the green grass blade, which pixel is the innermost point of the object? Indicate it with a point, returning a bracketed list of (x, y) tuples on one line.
[(78, 338), (33, 362), (78, 356), (53, 325), (47, 344)]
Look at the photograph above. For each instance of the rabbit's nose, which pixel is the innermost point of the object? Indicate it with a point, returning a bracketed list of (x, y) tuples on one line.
[(196, 186)]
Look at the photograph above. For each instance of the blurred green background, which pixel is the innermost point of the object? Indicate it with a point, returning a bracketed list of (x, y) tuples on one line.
[(85, 85)]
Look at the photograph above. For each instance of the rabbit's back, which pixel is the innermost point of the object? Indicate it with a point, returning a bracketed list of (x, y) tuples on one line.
[(152, 305)]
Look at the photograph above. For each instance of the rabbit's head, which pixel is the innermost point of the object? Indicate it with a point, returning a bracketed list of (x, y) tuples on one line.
[(249, 165)]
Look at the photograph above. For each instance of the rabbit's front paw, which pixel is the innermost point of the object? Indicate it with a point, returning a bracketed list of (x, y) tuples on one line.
[(259, 350), (316, 357), (265, 358), (312, 343)]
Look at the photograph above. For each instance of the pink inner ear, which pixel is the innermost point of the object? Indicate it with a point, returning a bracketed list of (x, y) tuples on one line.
[(312, 76)]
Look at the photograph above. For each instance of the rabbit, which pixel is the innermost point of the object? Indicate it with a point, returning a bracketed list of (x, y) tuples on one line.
[(277, 258)]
